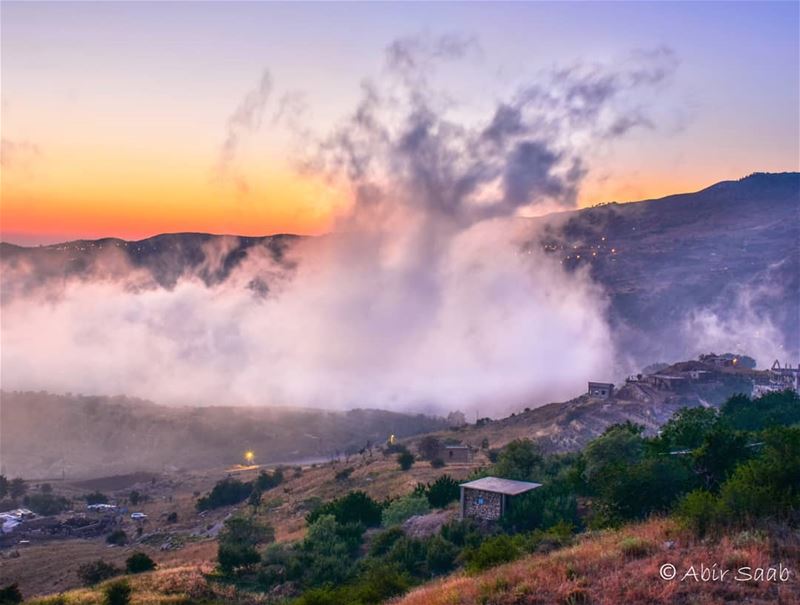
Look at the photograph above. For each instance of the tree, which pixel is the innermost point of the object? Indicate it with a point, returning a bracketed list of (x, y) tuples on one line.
[(619, 446), (17, 488), (97, 571), (224, 493), (117, 593), (519, 460), (139, 562), (10, 595), (355, 507), (134, 497), (96, 498), (404, 508), (688, 427), (429, 447), (118, 537), (238, 540), (722, 449), (4, 486), (327, 551), (46, 504), (443, 491), (405, 460)]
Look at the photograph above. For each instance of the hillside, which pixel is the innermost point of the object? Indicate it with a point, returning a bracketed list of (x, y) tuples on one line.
[(622, 566), (43, 435)]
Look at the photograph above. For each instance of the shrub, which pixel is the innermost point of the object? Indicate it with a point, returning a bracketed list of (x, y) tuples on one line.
[(139, 562), (384, 541), (635, 548), (46, 504), (117, 593), (97, 571), (405, 460), (698, 512), (437, 463), (238, 540), (441, 555), (429, 447), (172, 517), (9, 595), (266, 480), (344, 474), (443, 491), (404, 508), (493, 551), (355, 507), (134, 497), (225, 492), (118, 537), (96, 498)]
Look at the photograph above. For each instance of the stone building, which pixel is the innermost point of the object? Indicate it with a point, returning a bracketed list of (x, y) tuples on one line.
[(601, 390), (489, 498), (455, 453)]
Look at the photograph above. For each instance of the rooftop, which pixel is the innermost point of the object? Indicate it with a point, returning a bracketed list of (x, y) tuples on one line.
[(508, 487)]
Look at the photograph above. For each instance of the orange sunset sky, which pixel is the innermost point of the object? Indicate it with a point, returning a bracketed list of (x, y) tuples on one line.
[(113, 115)]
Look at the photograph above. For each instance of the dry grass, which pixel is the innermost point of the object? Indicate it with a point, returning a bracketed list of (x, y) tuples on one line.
[(623, 567)]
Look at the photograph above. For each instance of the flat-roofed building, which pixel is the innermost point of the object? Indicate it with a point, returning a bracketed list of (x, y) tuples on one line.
[(490, 498)]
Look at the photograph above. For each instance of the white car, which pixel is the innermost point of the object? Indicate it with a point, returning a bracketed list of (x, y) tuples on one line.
[(138, 516)]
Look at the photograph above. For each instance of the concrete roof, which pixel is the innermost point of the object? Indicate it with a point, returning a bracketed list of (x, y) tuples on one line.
[(501, 486)]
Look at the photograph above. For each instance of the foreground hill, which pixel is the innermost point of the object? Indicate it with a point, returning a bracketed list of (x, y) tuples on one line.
[(622, 566), (43, 435)]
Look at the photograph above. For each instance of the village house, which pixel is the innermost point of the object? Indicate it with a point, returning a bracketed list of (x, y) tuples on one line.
[(489, 498), (601, 390), (455, 453)]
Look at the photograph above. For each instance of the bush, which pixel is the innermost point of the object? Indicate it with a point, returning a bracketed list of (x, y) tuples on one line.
[(134, 497), (96, 498), (139, 562), (405, 460), (441, 555), (429, 447), (443, 491), (355, 507), (238, 540), (117, 593), (635, 547), (97, 571), (266, 481), (519, 460), (10, 595), (46, 504), (493, 551), (698, 512), (226, 492), (344, 474), (404, 508), (437, 463), (118, 537), (384, 541), (172, 517)]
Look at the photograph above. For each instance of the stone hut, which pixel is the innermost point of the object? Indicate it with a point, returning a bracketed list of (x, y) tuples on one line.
[(601, 390), (455, 453), (490, 497)]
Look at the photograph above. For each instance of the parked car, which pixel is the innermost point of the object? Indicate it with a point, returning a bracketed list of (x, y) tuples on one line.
[(138, 516)]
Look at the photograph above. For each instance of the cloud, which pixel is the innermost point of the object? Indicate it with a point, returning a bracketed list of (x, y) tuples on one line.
[(18, 155), (245, 120), (422, 298)]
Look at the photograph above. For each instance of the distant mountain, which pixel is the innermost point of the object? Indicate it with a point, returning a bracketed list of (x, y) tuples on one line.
[(730, 253)]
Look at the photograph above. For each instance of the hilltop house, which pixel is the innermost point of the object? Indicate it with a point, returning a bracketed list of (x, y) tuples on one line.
[(489, 498), (601, 390)]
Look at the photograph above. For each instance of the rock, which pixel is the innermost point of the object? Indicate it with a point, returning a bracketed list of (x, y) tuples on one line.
[(424, 526)]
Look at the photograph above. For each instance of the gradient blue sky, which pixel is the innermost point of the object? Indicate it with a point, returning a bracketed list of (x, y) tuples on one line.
[(113, 113)]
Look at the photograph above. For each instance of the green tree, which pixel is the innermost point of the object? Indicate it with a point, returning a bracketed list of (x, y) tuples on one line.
[(97, 571), (404, 508), (10, 595), (429, 447), (619, 446), (722, 449), (139, 562), (117, 593), (443, 491), (520, 460), (405, 460), (355, 507), (328, 553), (238, 541), (688, 427)]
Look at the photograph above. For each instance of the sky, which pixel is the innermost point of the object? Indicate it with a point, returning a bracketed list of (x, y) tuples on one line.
[(137, 118)]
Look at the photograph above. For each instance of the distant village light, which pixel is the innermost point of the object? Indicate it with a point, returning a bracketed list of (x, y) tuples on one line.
[(249, 456)]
